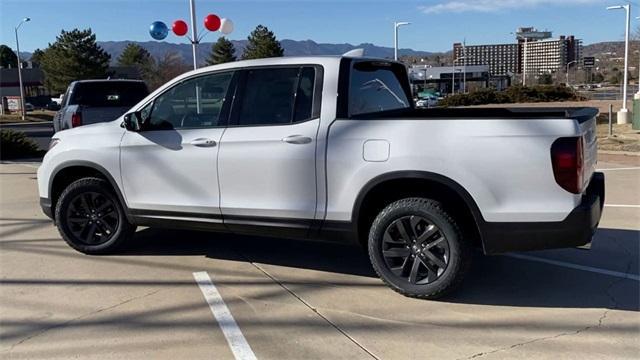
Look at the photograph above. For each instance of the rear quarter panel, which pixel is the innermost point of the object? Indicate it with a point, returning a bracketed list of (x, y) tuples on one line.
[(505, 165)]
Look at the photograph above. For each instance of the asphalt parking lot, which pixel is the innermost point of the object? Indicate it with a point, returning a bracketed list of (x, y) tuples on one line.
[(281, 299)]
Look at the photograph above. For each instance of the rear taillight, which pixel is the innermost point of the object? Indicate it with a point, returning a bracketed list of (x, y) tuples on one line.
[(568, 163), (76, 120)]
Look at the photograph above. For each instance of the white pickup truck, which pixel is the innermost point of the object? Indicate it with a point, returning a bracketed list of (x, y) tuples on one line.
[(330, 148)]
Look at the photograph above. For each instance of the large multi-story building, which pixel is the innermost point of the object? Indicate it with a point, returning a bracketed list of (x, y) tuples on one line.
[(543, 55), (552, 55), (502, 59)]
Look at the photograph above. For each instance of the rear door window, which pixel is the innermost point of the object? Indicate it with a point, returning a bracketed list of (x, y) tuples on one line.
[(376, 86), (108, 93), (275, 96)]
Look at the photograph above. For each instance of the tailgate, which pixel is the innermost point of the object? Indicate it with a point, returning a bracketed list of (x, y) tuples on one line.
[(92, 115)]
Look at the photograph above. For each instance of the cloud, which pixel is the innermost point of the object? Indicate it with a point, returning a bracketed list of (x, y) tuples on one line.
[(458, 6)]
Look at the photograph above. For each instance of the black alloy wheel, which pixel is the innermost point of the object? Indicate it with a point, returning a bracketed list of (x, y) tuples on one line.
[(415, 249)]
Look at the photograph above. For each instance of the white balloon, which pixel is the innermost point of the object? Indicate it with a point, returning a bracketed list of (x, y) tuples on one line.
[(226, 26)]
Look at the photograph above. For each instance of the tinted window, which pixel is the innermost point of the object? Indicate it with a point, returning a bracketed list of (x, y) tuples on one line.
[(375, 87), (304, 95), (277, 96), (196, 102), (108, 93)]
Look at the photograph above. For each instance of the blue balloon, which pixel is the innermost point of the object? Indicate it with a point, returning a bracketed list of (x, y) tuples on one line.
[(158, 30)]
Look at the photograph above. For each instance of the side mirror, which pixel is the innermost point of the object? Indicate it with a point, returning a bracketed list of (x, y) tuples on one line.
[(132, 121)]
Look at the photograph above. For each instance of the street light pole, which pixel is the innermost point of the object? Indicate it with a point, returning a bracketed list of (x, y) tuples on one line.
[(396, 25), (22, 103), (524, 63), (568, 64), (453, 78), (623, 114), (464, 66), (638, 18)]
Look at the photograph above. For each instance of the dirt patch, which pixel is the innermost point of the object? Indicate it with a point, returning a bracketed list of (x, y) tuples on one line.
[(624, 138)]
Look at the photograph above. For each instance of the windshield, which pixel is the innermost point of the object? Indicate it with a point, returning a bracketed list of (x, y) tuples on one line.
[(108, 93)]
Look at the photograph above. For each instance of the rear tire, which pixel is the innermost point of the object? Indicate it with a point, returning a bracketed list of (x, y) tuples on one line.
[(90, 217), (417, 249)]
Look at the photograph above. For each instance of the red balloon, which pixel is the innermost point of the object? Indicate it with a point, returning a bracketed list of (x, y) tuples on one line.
[(212, 22), (179, 27)]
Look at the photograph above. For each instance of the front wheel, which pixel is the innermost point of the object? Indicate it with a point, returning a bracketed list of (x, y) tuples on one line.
[(417, 249), (90, 218)]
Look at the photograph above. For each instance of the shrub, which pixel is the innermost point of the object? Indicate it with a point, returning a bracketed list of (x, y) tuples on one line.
[(15, 144), (514, 94)]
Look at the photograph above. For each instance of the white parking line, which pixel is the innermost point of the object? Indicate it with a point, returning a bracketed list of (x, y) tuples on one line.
[(622, 206), (615, 169), (238, 344), (577, 267)]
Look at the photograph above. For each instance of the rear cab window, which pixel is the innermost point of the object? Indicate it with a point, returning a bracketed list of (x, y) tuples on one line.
[(279, 96), (108, 93), (376, 86)]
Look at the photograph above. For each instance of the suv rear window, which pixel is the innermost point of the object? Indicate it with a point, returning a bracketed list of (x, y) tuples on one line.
[(376, 86), (108, 93)]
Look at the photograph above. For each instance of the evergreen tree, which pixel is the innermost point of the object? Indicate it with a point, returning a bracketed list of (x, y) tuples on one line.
[(134, 55), (222, 51), (262, 44), (8, 58), (74, 55), (36, 57)]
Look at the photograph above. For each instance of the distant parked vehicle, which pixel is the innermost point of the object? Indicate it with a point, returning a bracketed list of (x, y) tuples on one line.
[(57, 100), (94, 101), (53, 106), (427, 102), (29, 107)]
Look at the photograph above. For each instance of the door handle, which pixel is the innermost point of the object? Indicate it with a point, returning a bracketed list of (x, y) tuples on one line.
[(297, 139), (203, 142)]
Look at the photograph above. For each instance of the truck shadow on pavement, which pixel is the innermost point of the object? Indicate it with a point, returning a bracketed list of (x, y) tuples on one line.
[(494, 280)]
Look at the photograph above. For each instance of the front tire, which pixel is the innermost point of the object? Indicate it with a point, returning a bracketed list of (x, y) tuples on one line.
[(417, 249), (90, 217)]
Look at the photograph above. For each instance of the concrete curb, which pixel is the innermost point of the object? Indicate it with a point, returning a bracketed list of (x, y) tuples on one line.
[(25, 123), (22, 161)]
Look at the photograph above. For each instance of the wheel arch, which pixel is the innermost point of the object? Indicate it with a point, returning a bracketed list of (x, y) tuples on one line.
[(386, 188), (70, 171)]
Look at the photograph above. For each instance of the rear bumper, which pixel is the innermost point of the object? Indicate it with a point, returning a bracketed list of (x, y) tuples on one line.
[(575, 230)]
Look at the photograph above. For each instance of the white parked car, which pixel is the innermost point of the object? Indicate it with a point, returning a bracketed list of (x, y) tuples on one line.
[(427, 102), (330, 148)]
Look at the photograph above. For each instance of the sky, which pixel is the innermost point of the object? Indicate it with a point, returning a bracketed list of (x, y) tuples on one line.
[(435, 24)]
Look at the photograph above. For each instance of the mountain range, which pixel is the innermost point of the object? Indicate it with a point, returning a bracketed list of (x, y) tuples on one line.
[(291, 48)]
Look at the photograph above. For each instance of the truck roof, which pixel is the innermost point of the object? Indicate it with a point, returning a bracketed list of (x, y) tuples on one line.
[(105, 80)]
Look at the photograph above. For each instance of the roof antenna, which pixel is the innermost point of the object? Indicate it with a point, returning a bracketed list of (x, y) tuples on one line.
[(354, 53)]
